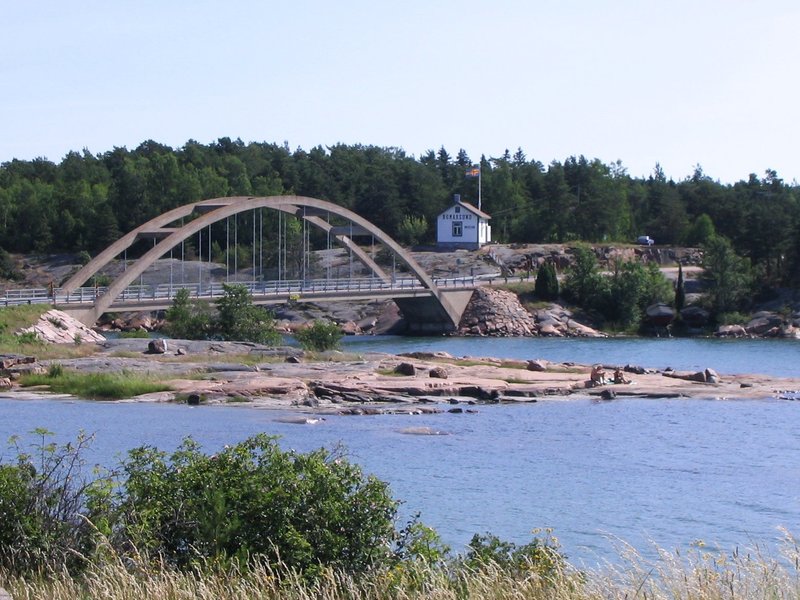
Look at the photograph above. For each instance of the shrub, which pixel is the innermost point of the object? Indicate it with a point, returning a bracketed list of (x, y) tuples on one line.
[(542, 556), (40, 498), (321, 336), (134, 334), (252, 500)]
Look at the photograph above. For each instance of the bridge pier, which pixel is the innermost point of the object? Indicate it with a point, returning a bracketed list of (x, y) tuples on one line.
[(426, 315)]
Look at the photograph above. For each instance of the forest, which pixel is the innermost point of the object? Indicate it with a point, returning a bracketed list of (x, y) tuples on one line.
[(87, 201)]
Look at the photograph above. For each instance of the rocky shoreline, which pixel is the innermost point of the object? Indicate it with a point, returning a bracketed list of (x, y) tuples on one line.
[(243, 374)]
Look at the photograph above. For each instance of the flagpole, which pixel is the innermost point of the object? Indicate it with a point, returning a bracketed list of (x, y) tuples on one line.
[(479, 187)]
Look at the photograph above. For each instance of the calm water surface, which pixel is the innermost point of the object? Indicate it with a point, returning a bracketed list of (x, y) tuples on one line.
[(664, 471)]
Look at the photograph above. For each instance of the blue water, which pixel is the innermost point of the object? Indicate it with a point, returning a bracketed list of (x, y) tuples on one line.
[(770, 357), (668, 472)]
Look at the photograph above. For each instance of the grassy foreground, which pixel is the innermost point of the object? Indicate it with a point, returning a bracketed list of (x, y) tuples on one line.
[(699, 576)]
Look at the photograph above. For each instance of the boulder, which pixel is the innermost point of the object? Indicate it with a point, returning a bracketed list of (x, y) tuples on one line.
[(5, 383), (695, 317), (608, 394), (350, 328), (660, 314), (58, 327), (550, 330), (731, 331), (438, 373), (139, 321), (406, 369), (711, 376), (158, 346), (539, 365)]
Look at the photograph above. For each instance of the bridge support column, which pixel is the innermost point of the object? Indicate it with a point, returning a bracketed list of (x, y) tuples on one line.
[(427, 315)]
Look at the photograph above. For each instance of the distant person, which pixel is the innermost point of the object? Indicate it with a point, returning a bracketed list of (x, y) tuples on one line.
[(598, 375), (619, 377)]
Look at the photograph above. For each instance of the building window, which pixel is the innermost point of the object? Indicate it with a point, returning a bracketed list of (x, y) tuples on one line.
[(458, 209), (457, 229)]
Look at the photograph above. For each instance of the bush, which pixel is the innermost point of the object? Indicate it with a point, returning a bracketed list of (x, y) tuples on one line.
[(542, 556), (252, 500), (40, 498), (321, 336), (134, 334)]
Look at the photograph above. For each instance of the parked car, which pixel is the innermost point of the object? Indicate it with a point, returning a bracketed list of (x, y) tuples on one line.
[(645, 240)]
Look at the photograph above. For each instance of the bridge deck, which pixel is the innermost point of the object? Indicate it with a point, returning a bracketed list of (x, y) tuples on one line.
[(159, 297)]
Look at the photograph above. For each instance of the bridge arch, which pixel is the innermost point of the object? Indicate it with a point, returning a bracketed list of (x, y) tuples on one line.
[(214, 210)]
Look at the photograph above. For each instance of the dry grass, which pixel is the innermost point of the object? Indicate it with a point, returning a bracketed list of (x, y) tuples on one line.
[(700, 575)]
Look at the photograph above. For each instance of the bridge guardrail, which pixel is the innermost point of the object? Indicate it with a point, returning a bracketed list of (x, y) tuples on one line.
[(167, 291)]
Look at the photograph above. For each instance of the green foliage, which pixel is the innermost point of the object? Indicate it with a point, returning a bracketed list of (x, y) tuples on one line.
[(134, 334), (320, 336), (187, 320), (621, 297), (41, 496), (29, 338), (85, 201), (541, 556), (680, 290), (237, 318), (240, 320), (547, 287), (412, 230), (100, 386), (584, 282), (701, 232), (8, 269), (249, 500), (730, 278), (732, 318)]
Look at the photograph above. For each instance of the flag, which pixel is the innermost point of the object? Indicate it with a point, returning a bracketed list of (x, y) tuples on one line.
[(474, 172)]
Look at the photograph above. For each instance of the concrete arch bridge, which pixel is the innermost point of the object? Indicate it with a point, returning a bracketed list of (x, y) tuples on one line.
[(426, 304)]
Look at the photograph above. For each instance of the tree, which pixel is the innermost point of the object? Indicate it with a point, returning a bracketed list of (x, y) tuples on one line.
[(240, 320), (729, 276), (412, 230), (187, 320), (546, 286), (701, 231), (583, 282), (680, 290)]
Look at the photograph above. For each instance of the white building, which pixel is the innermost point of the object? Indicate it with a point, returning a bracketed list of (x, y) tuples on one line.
[(462, 225)]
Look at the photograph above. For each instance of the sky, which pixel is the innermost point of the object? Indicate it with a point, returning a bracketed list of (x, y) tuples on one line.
[(681, 83)]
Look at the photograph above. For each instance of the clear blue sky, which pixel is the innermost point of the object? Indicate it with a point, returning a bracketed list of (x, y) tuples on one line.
[(680, 82)]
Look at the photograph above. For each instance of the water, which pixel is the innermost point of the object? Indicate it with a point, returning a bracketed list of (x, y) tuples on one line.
[(770, 357), (668, 472)]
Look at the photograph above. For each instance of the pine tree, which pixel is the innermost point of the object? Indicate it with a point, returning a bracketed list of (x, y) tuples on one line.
[(546, 286), (680, 291)]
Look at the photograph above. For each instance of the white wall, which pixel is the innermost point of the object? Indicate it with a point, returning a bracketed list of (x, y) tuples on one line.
[(474, 230)]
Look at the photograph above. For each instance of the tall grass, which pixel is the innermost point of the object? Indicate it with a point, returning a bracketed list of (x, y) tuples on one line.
[(698, 576), (99, 386)]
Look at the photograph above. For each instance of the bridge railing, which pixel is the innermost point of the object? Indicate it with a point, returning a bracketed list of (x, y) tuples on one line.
[(167, 291)]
